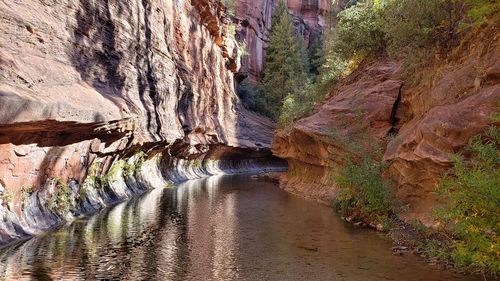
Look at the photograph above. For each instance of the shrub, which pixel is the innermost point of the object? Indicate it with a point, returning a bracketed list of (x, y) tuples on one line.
[(254, 97), (410, 24), (359, 31), (362, 188), (357, 34), (60, 202), (128, 169), (291, 109), (478, 11), (7, 196), (473, 213), (27, 190)]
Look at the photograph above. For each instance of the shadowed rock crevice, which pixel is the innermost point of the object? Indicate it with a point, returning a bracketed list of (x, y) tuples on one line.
[(150, 78), (104, 55), (394, 119)]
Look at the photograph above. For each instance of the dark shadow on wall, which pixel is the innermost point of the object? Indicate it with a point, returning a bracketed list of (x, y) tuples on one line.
[(147, 83), (45, 169), (98, 55), (114, 63), (95, 47)]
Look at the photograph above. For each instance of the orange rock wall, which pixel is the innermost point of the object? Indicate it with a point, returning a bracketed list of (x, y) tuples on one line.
[(451, 101), (82, 80)]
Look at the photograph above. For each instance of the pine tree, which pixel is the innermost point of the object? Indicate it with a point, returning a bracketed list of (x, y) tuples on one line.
[(316, 56), (286, 62)]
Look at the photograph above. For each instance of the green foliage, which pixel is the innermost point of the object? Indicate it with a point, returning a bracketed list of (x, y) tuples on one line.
[(300, 104), (362, 188), (128, 169), (478, 11), (169, 185), (409, 30), (411, 24), (292, 108), (231, 30), (363, 191), (133, 165), (243, 47), (230, 7), (60, 201), (103, 181), (316, 56), (254, 97), (473, 213), (385, 221), (286, 62), (418, 226), (359, 31), (6, 196), (358, 34), (27, 190), (197, 163)]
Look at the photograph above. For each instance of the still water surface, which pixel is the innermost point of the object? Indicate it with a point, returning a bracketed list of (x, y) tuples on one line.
[(218, 228)]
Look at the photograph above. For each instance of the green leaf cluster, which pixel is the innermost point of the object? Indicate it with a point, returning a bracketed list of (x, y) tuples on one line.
[(472, 189), (362, 188), (60, 201), (286, 63)]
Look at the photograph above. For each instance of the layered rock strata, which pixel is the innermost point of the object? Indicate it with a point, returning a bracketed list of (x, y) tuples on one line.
[(316, 145), (86, 86), (419, 125)]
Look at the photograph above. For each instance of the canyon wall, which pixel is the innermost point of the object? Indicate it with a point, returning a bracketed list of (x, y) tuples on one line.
[(96, 96), (253, 20), (417, 125)]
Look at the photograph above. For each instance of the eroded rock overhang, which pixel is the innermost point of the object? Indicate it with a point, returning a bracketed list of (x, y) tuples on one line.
[(102, 100)]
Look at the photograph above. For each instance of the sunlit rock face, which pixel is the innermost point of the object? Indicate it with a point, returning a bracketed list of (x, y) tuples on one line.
[(420, 123), (86, 83), (317, 145), (253, 18), (452, 102)]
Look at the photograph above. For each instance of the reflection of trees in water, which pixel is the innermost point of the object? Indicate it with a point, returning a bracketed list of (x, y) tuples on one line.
[(146, 237), (164, 234)]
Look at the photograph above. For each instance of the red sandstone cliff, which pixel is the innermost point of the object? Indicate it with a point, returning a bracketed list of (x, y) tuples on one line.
[(86, 82), (254, 21), (432, 118)]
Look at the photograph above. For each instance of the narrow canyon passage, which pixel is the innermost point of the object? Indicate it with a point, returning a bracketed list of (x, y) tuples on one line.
[(250, 140), (239, 227)]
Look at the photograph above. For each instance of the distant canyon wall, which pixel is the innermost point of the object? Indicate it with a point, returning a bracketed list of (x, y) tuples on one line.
[(253, 19)]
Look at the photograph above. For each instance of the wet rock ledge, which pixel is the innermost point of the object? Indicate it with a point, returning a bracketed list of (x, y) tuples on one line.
[(102, 100), (60, 201)]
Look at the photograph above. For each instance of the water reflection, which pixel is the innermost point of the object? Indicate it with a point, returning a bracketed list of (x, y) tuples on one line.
[(218, 228)]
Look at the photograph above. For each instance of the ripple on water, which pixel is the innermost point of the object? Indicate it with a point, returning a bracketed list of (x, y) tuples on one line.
[(217, 228)]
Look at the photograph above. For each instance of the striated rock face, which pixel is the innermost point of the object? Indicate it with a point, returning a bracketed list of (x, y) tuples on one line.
[(254, 21), (84, 84), (442, 115), (425, 122), (316, 145)]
